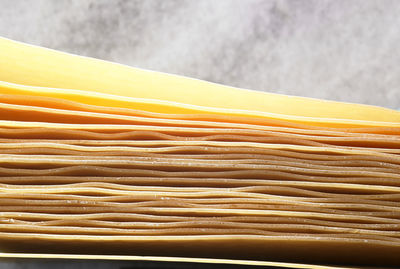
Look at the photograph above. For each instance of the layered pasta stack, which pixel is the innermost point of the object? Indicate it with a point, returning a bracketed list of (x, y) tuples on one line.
[(100, 158)]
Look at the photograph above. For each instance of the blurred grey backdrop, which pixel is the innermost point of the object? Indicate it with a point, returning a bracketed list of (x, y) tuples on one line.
[(345, 50), (340, 50)]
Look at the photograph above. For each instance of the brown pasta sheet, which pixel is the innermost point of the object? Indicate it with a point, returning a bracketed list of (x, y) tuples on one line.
[(95, 179)]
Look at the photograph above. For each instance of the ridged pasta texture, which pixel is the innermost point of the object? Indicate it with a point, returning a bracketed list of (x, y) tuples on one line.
[(101, 158)]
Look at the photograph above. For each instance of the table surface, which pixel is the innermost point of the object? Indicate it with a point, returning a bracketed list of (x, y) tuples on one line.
[(338, 50)]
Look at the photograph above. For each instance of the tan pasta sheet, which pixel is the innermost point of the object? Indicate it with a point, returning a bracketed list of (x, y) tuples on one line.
[(141, 163)]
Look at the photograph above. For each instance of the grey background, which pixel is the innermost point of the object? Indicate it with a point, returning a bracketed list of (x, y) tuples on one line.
[(338, 50)]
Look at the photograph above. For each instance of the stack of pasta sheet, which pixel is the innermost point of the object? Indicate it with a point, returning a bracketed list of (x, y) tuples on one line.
[(100, 158)]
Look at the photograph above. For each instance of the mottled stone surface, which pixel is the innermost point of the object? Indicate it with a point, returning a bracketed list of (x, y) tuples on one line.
[(339, 50)]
